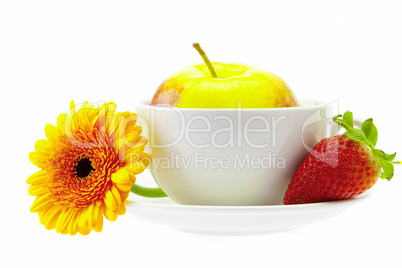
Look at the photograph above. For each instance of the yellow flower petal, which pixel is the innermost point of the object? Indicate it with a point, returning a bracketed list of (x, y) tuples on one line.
[(131, 119), (38, 177), (83, 117), (113, 125), (125, 187), (82, 217), (89, 214), (121, 176), (43, 147), (72, 109), (106, 113), (43, 206), (98, 228), (61, 120), (85, 230), (110, 214), (116, 195), (133, 134), (41, 202), (121, 210), (37, 189), (72, 227), (132, 176), (50, 218), (111, 108), (36, 159), (124, 196), (99, 221), (84, 106), (43, 212), (64, 220), (93, 212), (52, 132), (109, 200), (99, 120), (136, 147), (138, 165)]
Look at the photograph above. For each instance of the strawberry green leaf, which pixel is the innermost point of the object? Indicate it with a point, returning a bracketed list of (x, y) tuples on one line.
[(356, 134), (336, 117), (388, 170), (348, 118), (370, 131), (347, 122), (368, 136), (384, 156)]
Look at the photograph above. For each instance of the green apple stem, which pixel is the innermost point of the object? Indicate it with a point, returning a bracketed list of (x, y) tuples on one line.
[(206, 60)]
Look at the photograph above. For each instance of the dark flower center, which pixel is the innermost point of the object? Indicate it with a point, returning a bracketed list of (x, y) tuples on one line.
[(83, 168)]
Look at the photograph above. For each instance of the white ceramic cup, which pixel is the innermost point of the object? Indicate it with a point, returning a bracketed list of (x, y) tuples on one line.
[(232, 156)]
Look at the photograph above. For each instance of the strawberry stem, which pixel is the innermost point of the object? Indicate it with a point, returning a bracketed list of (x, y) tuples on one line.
[(368, 135)]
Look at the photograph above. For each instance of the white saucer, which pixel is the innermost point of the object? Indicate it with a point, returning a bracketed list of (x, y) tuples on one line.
[(234, 220)]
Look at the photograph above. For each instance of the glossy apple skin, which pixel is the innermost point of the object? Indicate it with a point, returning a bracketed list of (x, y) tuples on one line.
[(237, 85)]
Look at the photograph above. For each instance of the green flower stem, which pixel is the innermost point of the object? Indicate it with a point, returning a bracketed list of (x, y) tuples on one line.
[(148, 192)]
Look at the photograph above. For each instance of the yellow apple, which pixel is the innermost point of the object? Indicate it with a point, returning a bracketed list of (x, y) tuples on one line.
[(223, 85)]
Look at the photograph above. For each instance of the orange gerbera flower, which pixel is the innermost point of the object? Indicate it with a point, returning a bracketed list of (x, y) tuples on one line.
[(88, 165)]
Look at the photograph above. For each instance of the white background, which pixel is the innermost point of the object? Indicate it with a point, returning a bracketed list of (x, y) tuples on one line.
[(52, 52)]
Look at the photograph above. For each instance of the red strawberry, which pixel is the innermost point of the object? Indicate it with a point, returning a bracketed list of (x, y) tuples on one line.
[(342, 166)]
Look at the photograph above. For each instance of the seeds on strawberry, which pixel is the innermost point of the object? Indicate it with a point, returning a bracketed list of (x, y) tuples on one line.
[(340, 167)]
